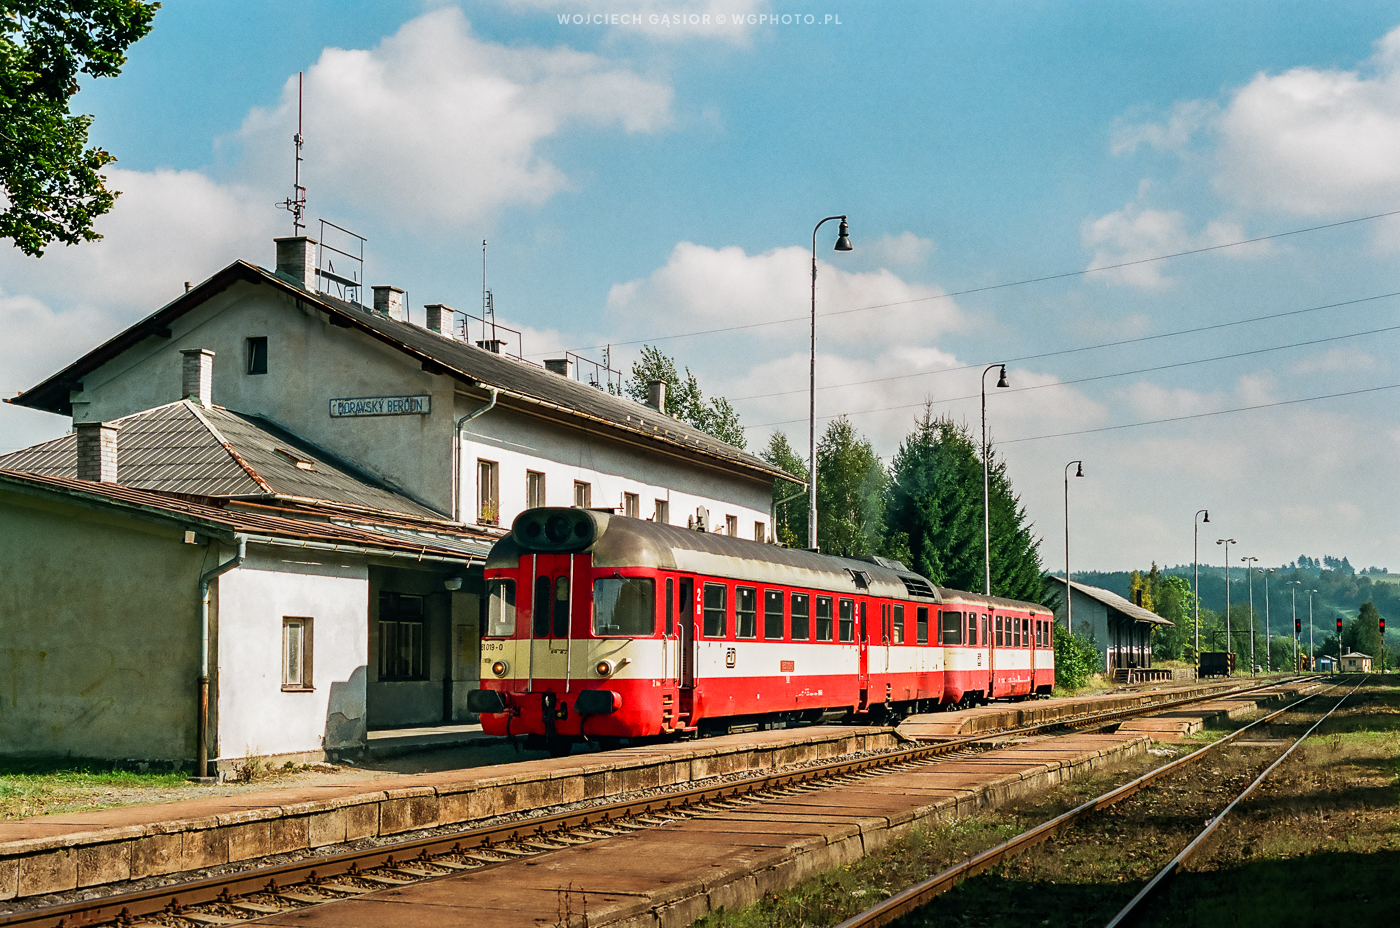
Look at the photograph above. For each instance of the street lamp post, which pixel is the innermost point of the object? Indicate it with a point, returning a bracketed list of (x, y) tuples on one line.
[(1312, 657), (1196, 571), (1229, 648), (1268, 650), (1295, 584), (843, 243), (1069, 598), (986, 482), (1251, 561)]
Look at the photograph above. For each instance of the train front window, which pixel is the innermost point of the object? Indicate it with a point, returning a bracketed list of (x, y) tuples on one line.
[(541, 608), (823, 618), (897, 628), (950, 627), (848, 619), (624, 606), (500, 612), (716, 623), (801, 617), (773, 614), (745, 612), (561, 607)]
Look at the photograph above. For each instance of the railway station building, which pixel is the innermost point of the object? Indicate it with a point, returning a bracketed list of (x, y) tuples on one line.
[(1120, 629), (390, 455)]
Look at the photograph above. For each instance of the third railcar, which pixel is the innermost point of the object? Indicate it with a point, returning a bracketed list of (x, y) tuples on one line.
[(610, 627)]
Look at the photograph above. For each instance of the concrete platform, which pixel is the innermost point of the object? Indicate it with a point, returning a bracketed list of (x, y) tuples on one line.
[(58, 853), (670, 875)]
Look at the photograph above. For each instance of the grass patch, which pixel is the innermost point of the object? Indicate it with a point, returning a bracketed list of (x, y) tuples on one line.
[(45, 787)]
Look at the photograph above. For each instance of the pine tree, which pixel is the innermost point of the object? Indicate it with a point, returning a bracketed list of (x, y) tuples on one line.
[(789, 499)]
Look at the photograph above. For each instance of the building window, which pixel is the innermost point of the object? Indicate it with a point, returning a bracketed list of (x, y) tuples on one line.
[(296, 654), (257, 355), (534, 489), (731, 526), (631, 505), (488, 493), (403, 645), (663, 512), (583, 494), (760, 532)]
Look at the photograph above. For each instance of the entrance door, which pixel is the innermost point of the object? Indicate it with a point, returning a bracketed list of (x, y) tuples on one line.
[(864, 645), (550, 606)]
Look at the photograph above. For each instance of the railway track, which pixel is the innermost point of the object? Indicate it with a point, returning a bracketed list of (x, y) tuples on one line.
[(255, 893), (922, 893)]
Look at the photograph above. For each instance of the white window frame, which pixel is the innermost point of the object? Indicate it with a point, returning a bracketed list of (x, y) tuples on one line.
[(296, 654)]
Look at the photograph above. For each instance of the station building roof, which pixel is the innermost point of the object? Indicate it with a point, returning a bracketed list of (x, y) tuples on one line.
[(1117, 603)]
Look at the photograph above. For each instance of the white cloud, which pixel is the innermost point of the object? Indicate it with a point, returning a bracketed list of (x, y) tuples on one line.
[(903, 250), (1138, 234), (435, 123), (1186, 119)]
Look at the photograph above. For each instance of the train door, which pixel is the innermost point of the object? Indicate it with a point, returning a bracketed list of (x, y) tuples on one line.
[(551, 606), (685, 625), (864, 647), (993, 639)]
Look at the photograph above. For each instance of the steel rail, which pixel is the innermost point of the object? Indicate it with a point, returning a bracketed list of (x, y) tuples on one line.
[(921, 893), (170, 899), (1177, 862)]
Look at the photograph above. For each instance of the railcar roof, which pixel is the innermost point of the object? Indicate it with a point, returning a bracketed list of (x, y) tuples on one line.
[(626, 542), (948, 595)]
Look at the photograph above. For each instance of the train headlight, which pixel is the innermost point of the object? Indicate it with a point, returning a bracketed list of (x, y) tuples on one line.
[(605, 668), (499, 668)]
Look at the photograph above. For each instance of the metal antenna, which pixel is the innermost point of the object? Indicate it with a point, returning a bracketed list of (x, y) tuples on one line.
[(296, 204)]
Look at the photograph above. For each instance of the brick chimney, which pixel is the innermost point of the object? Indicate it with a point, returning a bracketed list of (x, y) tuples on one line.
[(296, 259), (656, 395), (439, 318), (97, 451), (388, 301), (197, 376)]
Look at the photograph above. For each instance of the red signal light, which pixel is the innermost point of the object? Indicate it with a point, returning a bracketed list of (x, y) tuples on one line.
[(1382, 625), (1339, 625), (1297, 626)]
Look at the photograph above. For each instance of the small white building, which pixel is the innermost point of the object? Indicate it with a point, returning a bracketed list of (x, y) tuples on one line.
[(1356, 662)]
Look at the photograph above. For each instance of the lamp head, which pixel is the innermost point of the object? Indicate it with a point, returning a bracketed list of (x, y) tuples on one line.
[(1001, 381), (1207, 518), (1080, 471), (843, 237)]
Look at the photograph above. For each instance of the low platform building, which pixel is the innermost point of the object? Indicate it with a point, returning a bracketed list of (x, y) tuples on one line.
[(1121, 630)]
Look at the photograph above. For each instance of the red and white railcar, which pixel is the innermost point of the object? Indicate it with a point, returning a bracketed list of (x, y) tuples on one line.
[(606, 627), (994, 648)]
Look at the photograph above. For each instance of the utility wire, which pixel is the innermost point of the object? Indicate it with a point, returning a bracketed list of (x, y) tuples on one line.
[(1065, 351), (1140, 370), (1002, 286)]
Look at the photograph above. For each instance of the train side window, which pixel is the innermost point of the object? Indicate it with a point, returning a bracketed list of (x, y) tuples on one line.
[(670, 615), (773, 614), (745, 612), (1016, 625), (801, 616), (500, 613), (986, 630), (540, 605), (972, 628), (847, 618), (897, 628), (624, 606), (823, 618), (561, 607), (716, 610), (1039, 634), (921, 625), (950, 628), (1001, 641)]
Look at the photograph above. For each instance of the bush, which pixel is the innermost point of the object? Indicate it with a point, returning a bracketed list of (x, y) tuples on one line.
[(1076, 659)]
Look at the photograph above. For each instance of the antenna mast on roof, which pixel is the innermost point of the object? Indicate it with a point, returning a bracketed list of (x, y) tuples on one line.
[(296, 204), (488, 303)]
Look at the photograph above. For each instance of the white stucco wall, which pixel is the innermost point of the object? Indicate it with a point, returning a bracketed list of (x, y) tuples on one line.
[(254, 715)]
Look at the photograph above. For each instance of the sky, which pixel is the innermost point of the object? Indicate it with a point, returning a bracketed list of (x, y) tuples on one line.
[(1175, 223)]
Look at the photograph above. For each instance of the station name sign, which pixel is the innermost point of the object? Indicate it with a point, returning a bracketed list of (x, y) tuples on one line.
[(381, 406)]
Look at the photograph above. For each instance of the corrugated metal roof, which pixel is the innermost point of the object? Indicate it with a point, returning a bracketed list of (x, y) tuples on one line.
[(185, 448), (1118, 603), (217, 521), (517, 379)]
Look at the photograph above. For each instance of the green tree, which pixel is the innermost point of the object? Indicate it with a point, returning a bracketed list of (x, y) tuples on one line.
[(684, 399), (851, 483), (1076, 659), (49, 177), (934, 514), (789, 499), (1363, 633)]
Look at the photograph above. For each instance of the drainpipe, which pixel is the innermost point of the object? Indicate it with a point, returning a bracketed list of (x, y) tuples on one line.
[(202, 738), (457, 452)]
